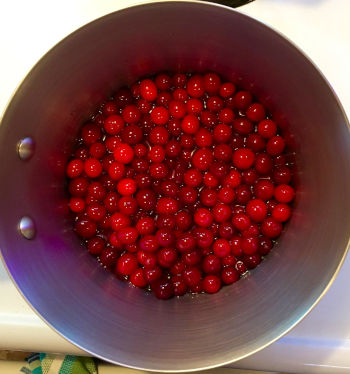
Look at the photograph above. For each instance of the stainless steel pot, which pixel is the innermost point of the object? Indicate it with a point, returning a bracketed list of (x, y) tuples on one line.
[(63, 283)]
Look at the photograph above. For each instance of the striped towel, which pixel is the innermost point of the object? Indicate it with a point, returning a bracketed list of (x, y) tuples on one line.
[(44, 363)]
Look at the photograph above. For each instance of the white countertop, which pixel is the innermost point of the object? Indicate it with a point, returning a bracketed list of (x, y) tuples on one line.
[(28, 29)]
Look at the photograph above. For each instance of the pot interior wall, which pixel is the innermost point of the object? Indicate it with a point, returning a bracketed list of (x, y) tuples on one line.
[(63, 282)]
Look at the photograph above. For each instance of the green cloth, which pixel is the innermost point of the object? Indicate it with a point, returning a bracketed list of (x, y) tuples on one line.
[(44, 363)]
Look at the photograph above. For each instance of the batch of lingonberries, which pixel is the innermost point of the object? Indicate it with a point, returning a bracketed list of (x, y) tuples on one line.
[(180, 183)]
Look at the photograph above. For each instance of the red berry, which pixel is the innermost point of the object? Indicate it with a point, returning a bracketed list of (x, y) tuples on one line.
[(148, 90), (252, 261), (179, 285), (203, 138), (92, 167), (96, 190), (194, 106), (208, 119), (243, 158), (275, 146), (242, 126), (180, 94), (267, 128), (227, 89), (85, 228), (147, 259), (243, 99), (211, 284), (193, 177), (284, 193), (188, 195), (265, 245), (179, 80), (211, 264), (250, 245), (192, 276), (160, 115), (233, 179), (243, 194), (221, 248), (241, 221), (264, 189), (212, 83), (95, 211), (76, 204), (159, 135), (132, 134), (126, 186), (126, 264), (114, 124), (215, 104), (163, 289), (131, 114), (163, 81), (97, 150), (185, 243), (271, 228), (222, 133), (167, 205), (96, 245), (137, 278), (202, 159), (196, 86), (123, 153), (190, 124), (257, 210), (123, 97), (203, 217), (116, 170), (74, 168), (255, 142), (226, 195), (256, 112), (153, 274), (281, 212), (119, 221), (221, 212), (183, 220), (108, 257), (282, 175), (90, 133), (229, 275), (177, 109)]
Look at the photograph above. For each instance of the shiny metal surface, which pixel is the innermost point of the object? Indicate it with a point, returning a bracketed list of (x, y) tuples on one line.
[(26, 148), (26, 228), (60, 279)]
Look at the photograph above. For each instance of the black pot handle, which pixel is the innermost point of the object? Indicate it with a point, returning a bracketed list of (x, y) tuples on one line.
[(231, 3)]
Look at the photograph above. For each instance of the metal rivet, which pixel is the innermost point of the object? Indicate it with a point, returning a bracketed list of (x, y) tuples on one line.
[(27, 227), (25, 148)]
